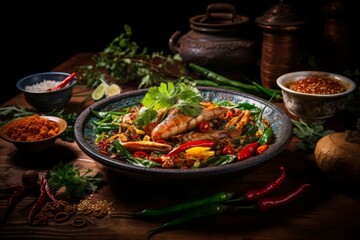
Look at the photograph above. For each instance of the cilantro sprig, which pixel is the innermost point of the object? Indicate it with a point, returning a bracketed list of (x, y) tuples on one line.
[(167, 96), (77, 185), (309, 134)]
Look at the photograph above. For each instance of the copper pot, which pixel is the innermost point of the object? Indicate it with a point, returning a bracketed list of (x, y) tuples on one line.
[(218, 40)]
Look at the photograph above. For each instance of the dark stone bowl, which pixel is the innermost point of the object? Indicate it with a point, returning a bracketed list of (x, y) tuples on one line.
[(47, 100)]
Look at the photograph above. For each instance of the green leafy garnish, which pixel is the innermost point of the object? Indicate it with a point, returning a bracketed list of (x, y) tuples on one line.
[(166, 96), (77, 185), (309, 134), (124, 61)]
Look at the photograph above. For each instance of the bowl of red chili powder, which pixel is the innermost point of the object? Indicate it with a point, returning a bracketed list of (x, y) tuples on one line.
[(33, 133), (314, 96)]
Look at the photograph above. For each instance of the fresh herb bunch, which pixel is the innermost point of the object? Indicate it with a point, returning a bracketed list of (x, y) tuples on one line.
[(309, 134), (77, 185), (184, 97), (70, 118), (122, 61), (12, 112)]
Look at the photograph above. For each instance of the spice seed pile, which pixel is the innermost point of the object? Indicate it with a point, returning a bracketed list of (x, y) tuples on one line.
[(317, 85)]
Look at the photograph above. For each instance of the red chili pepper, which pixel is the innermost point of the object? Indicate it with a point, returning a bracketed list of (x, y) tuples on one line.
[(229, 114), (39, 202), (65, 81), (49, 193), (103, 146), (265, 204), (247, 151), (259, 192), (140, 154), (11, 189), (228, 149), (187, 145), (161, 141), (18, 194), (204, 126)]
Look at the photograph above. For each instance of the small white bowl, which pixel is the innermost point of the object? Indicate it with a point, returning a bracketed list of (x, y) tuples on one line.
[(313, 107)]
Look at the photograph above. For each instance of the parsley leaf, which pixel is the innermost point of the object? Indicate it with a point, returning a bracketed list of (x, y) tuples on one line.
[(166, 96), (309, 134), (77, 184)]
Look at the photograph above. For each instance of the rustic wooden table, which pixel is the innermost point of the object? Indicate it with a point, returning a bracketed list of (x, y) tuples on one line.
[(325, 211)]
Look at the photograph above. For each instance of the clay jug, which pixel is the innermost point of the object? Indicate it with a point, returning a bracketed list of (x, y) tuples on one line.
[(218, 40)]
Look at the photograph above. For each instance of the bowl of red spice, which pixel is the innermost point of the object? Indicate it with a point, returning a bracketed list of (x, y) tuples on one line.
[(314, 96), (33, 133)]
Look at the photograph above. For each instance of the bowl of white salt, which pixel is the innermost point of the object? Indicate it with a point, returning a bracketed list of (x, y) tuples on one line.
[(47, 91)]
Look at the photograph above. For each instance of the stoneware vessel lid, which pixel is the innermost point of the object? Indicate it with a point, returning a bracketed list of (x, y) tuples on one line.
[(280, 15), (219, 17)]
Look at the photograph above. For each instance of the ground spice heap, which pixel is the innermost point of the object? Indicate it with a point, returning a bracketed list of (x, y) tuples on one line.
[(317, 85), (32, 128)]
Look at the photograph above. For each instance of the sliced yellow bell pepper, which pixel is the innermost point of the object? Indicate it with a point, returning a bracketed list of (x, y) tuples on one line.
[(201, 153)]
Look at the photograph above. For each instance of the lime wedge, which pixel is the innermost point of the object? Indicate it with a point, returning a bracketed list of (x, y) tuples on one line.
[(99, 92), (113, 89)]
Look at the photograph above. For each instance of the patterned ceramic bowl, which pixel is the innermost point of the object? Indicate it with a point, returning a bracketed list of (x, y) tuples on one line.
[(86, 136), (319, 101)]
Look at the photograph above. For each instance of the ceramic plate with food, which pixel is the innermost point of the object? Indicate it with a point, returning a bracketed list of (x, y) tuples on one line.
[(201, 139)]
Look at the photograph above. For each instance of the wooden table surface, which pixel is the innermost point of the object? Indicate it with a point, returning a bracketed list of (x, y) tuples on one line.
[(327, 210)]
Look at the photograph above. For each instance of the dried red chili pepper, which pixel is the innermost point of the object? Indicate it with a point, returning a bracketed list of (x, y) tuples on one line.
[(247, 151), (11, 189), (254, 194), (18, 194), (187, 145), (48, 191), (265, 204), (259, 192), (39, 202)]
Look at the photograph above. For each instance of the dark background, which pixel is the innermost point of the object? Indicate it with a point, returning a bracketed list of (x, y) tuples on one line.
[(38, 37)]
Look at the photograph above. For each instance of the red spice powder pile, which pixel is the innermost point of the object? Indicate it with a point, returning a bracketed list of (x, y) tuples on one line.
[(32, 128), (317, 85)]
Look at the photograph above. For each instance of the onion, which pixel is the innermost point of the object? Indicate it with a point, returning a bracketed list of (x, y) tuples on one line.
[(339, 158)]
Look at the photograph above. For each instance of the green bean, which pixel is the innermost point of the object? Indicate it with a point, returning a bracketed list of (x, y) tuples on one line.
[(105, 127), (179, 208), (206, 83), (273, 93), (106, 119), (221, 79), (205, 211)]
